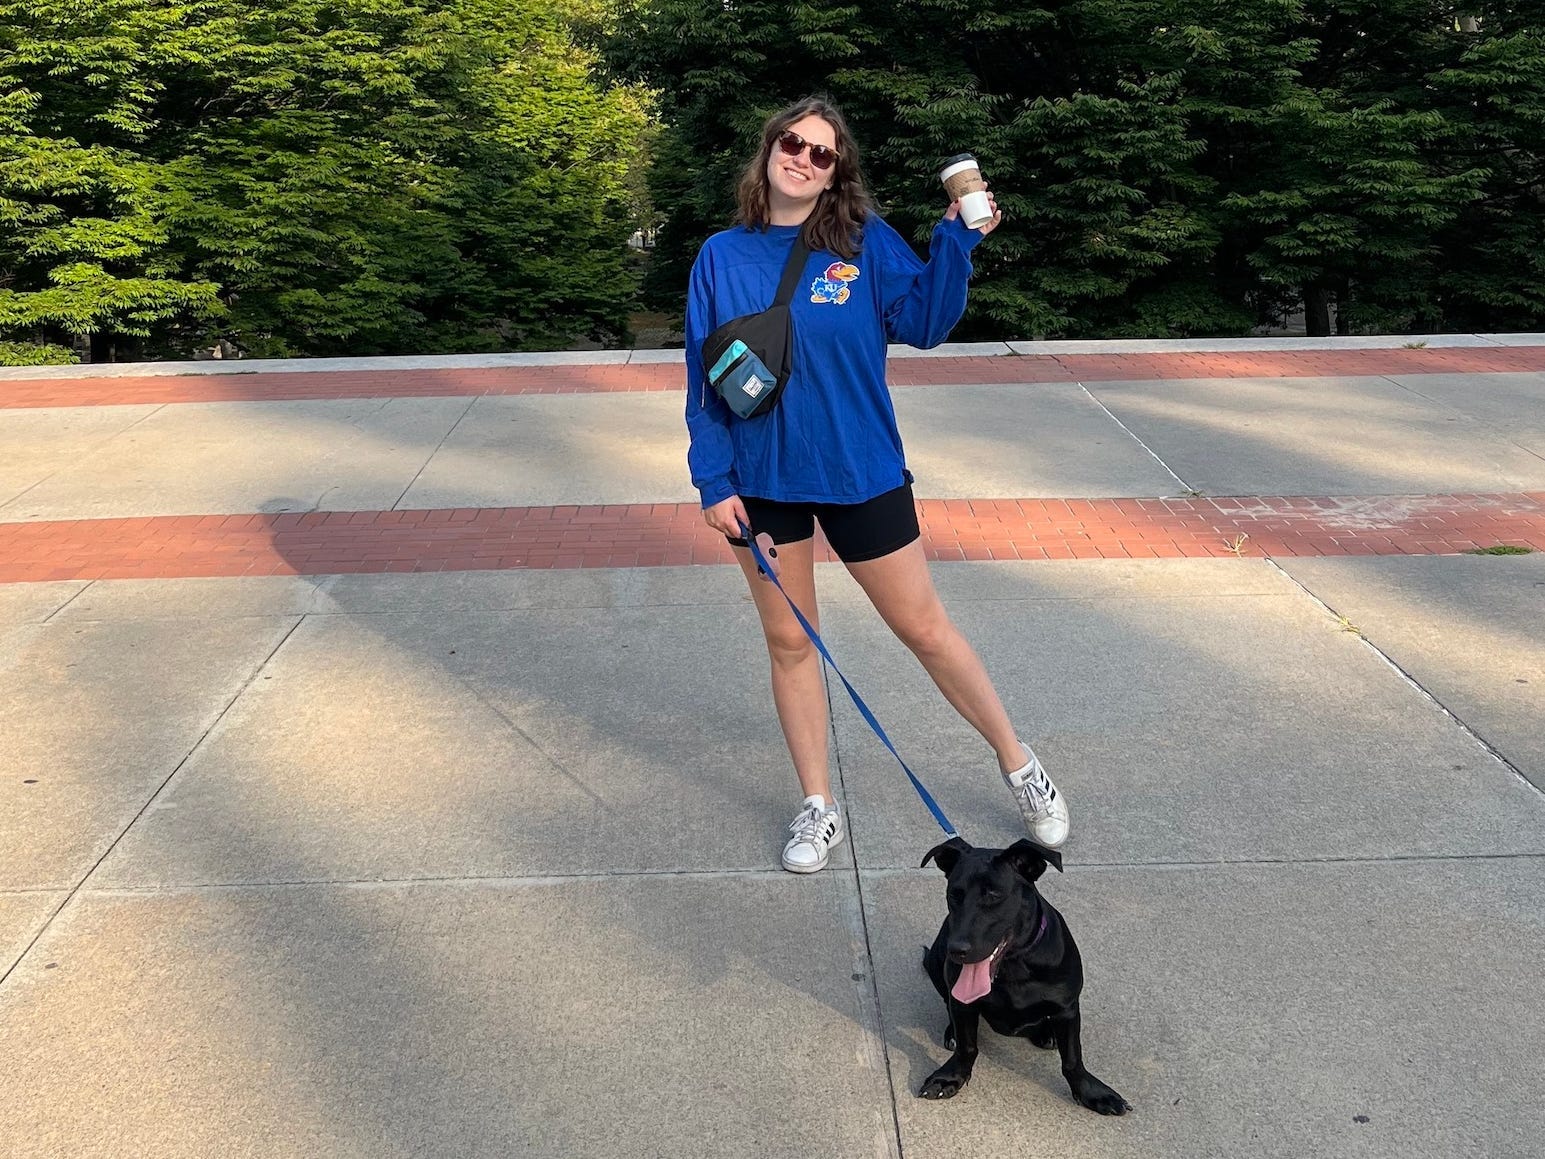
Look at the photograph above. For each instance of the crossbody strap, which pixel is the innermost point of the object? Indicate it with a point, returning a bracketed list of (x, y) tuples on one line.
[(792, 271)]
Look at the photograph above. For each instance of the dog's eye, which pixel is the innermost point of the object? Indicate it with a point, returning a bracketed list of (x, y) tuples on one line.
[(991, 897)]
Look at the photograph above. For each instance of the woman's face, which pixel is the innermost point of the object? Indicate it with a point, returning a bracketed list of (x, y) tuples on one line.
[(793, 182)]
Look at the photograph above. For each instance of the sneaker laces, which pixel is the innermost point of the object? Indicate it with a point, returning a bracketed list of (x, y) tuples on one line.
[(1037, 790), (807, 826)]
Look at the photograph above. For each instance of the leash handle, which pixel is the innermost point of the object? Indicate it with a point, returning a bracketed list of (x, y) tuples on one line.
[(769, 572)]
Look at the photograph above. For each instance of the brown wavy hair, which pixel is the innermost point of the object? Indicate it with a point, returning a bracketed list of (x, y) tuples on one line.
[(836, 224)]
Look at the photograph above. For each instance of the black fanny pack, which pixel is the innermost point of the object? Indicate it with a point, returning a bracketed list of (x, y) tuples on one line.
[(748, 360)]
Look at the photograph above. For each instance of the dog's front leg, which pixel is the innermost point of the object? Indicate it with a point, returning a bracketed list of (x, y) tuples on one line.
[(945, 1083), (1088, 1091)]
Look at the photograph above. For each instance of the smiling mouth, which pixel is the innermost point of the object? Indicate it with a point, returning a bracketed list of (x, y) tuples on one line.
[(976, 978)]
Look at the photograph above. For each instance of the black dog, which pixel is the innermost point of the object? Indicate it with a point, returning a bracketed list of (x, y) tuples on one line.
[(1004, 954)]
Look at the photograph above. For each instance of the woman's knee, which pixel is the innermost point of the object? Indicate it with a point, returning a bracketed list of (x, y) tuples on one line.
[(788, 645), (928, 632)]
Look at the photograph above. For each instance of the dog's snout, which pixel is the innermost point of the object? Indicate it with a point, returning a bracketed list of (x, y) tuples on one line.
[(959, 950)]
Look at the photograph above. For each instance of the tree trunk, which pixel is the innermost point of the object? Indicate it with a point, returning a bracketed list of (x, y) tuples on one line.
[(103, 349), (1316, 311), (1343, 301)]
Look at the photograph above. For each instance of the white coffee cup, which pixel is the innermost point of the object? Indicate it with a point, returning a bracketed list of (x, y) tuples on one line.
[(962, 178)]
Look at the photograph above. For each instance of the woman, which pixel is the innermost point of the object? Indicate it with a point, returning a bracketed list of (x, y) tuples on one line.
[(829, 449)]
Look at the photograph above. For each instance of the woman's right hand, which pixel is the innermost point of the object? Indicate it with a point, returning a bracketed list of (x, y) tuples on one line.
[(727, 515)]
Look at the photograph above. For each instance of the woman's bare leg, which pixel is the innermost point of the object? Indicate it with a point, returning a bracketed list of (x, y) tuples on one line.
[(799, 690), (902, 591)]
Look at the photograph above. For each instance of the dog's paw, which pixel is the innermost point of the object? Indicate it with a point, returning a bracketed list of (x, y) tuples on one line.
[(943, 1084), (1092, 1093)]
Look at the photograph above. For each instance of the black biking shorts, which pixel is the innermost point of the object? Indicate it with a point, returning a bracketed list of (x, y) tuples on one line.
[(856, 531)]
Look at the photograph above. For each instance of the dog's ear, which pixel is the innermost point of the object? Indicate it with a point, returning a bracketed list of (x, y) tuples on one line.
[(1030, 860), (946, 855)]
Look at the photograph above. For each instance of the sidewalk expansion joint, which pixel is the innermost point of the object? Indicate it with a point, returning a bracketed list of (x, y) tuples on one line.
[(1185, 487), (1422, 690), (1502, 432), (869, 986), (167, 780), (429, 458), (527, 881), (1246, 862)]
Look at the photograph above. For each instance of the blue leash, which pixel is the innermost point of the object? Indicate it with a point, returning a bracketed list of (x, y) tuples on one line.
[(770, 573)]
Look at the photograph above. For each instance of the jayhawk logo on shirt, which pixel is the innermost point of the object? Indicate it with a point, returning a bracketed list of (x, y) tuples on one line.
[(832, 286)]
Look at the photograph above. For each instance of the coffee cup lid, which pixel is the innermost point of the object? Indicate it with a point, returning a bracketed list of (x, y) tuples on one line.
[(956, 160)]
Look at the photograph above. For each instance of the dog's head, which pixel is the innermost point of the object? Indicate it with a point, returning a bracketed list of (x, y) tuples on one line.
[(989, 895)]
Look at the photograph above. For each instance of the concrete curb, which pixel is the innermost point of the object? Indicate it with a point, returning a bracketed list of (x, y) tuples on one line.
[(647, 357)]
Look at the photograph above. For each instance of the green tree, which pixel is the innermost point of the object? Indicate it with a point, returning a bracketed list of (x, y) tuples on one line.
[(1493, 269), (1167, 168), (1240, 60), (320, 176), (1349, 201), (84, 248), (1078, 122)]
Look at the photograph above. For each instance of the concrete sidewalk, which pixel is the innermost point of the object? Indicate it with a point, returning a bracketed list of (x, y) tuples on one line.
[(484, 862)]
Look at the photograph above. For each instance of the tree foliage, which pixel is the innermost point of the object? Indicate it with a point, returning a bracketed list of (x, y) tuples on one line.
[(1166, 168), (313, 176), (1492, 274), (365, 176)]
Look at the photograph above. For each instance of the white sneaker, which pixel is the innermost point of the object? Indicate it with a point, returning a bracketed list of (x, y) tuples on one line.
[(1043, 808), (816, 830)]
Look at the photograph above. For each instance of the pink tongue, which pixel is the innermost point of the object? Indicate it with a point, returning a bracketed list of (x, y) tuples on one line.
[(974, 981)]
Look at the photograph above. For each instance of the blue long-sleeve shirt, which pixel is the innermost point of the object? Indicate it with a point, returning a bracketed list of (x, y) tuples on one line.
[(832, 437)]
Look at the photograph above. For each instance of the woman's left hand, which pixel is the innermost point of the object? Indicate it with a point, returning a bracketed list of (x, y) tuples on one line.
[(953, 212)]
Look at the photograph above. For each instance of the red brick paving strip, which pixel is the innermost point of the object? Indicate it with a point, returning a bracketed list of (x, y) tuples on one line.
[(652, 535), (595, 379)]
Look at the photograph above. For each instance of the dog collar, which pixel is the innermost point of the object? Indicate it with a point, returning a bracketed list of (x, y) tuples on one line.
[(1040, 929)]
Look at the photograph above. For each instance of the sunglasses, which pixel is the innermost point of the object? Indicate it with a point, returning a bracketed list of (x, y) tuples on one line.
[(793, 144)]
